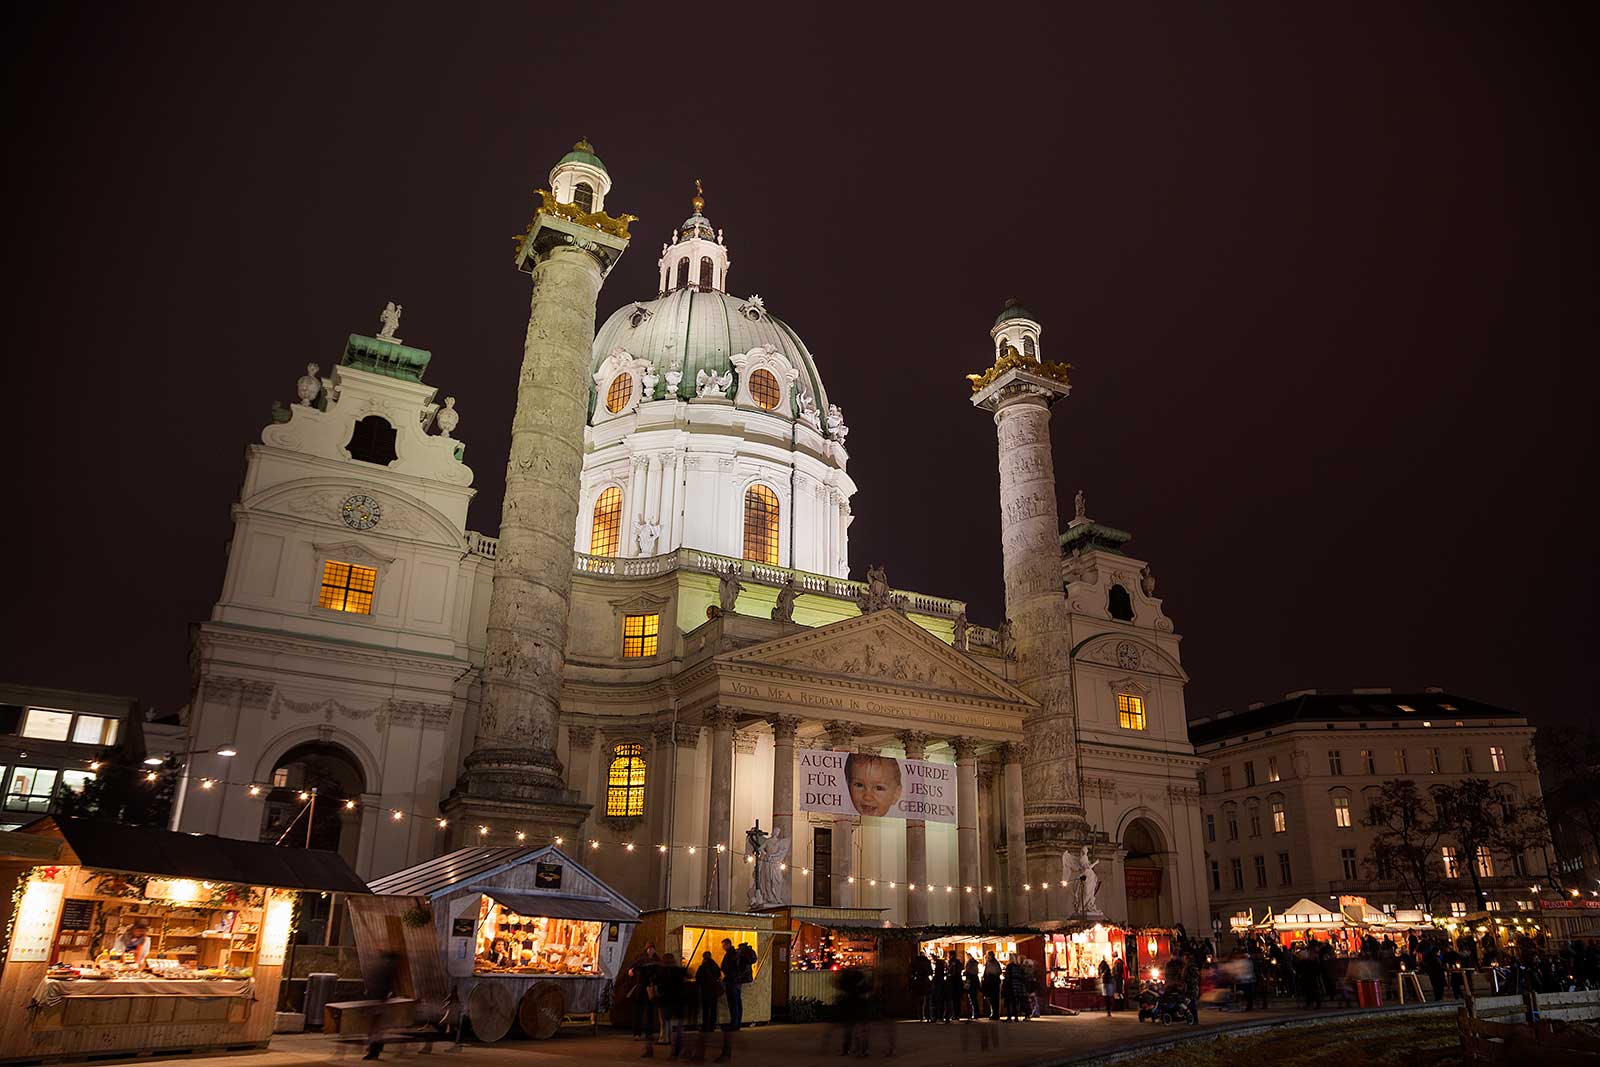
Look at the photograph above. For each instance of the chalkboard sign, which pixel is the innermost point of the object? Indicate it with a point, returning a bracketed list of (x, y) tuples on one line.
[(547, 875), (462, 927), (77, 915)]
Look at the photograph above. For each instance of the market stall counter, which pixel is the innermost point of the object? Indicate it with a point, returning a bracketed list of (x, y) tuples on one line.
[(127, 940), (512, 936)]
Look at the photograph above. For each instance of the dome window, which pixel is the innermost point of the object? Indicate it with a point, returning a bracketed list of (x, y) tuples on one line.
[(764, 389), (583, 197), (1119, 604), (639, 317), (605, 533), (705, 272), (683, 273), (1028, 348), (761, 525), (620, 392)]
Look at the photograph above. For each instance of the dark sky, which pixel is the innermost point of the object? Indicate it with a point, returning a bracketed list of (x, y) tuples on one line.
[(1326, 273)]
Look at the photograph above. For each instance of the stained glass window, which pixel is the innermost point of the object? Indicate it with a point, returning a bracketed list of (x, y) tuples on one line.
[(620, 393), (639, 635), (764, 389), (347, 587), (606, 532), (625, 780), (761, 525)]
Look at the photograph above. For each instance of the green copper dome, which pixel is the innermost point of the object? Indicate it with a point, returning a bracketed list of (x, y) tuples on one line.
[(1013, 310), (583, 152)]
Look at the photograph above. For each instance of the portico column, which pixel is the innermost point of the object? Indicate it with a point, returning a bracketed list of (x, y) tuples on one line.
[(967, 825), (842, 736), (783, 731), (1016, 835), (916, 844), (720, 721)]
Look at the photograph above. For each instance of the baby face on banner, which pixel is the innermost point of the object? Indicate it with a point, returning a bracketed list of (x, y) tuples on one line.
[(874, 783)]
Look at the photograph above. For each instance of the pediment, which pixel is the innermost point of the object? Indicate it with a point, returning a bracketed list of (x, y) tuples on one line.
[(1128, 653), (882, 648)]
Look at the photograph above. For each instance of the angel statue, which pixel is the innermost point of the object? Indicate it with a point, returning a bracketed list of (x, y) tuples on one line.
[(1080, 870), (708, 384), (768, 851)]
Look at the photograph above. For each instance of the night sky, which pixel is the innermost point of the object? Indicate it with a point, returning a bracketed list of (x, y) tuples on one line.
[(1326, 274)]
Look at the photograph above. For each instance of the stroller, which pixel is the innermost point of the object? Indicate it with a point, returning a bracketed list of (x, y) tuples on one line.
[(1165, 1005)]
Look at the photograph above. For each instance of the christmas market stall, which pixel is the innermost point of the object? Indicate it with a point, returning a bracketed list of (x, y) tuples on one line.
[(512, 935), (1072, 959), (126, 940), (821, 940), (687, 932)]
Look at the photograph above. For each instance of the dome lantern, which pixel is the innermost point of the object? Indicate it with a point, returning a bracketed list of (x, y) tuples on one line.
[(580, 179), (695, 258), (1017, 327)]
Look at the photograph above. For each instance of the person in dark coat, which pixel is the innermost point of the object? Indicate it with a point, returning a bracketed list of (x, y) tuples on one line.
[(954, 983), (1433, 967), (708, 987), (991, 984), (937, 997), (643, 973), (1014, 990), (1119, 978), (973, 987), (1107, 986), (922, 986), (669, 982)]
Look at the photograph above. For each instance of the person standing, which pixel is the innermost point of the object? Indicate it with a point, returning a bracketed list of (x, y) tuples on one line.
[(974, 987), (669, 982), (643, 973), (1012, 990), (1107, 985), (922, 986), (1119, 978), (936, 1002), (731, 985), (991, 985), (1191, 987), (708, 987), (953, 981)]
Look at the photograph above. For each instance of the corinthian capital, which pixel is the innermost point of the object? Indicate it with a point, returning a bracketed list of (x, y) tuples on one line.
[(581, 736), (841, 734), (966, 747), (916, 743), (720, 717), (1013, 752), (784, 728)]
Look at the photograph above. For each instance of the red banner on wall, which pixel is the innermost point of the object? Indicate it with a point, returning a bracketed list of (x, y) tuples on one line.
[(1142, 882)]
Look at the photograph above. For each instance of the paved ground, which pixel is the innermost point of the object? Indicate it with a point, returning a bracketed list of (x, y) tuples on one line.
[(960, 1044)]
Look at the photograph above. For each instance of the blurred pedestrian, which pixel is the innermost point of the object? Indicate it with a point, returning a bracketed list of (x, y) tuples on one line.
[(642, 972), (1107, 985), (991, 984), (922, 986), (708, 989)]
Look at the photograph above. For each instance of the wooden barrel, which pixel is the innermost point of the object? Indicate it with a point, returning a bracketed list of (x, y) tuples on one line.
[(490, 1008), (541, 1010)]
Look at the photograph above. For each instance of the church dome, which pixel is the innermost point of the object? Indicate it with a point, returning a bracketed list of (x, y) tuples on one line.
[(1013, 310), (704, 329), (583, 152)]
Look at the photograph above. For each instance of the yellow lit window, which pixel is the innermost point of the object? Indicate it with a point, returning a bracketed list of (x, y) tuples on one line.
[(639, 634), (764, 389), (346, 587), (606, 533), (1130, 711), (761, 525), (620, 393), (625, 780)]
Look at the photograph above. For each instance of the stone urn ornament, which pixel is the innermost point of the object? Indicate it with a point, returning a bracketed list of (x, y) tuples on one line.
[(309, 384), (448, 418)]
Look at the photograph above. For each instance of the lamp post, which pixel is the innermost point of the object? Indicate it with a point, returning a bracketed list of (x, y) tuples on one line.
[(225, 751)]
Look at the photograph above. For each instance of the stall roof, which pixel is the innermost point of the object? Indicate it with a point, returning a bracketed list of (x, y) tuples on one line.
[(450, 870), (556, 906), (142, 850)]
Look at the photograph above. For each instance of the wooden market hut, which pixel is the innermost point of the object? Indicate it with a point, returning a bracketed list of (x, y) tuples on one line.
[(687, 932)]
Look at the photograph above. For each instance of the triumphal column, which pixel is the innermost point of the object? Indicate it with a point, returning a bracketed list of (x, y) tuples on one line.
[(513, 780), (1019, 389)]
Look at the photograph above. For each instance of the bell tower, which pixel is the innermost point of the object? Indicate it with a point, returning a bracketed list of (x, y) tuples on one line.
[(695, 258)]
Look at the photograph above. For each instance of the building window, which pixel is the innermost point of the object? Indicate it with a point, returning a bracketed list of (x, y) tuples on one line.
[(639, 635), (1249, 773), (1485, 863), (705, 272), (1261, 872), (1341, 812), (1518, 866), (94, 730), (764, 389), (619, 393), (1400, 761), (372, 441), (761, 525), (1458, 909), (31, 789), (1433, 761), (1238, 873), (1452, 866), (1335, 762), (1211, 828), (1497, 758), (1272, 769), (605, 532), (1233, 826), (1285, 873), (1227, 779), (1255, 819), (683, 273), (1280, 818), (1028, 348), (1216, 877), (1491, 905), (347, 587), (583, 197), (1130, 711), (74, 781), (50, 724), (1119, 605), (625, 781), (1369, 765), (1466, 761), (1200, 780)]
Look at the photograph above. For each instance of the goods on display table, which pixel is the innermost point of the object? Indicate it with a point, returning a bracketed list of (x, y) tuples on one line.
[(509, 936), (127, 939), (1072, 960)]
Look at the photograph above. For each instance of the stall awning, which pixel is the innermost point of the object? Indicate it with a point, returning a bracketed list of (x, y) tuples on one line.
[(142, 850), (589, 909)]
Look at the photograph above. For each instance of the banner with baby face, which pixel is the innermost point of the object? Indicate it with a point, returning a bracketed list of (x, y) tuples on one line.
[(858, 783)]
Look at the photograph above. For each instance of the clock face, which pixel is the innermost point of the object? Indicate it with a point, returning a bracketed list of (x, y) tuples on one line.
[(360, 512)]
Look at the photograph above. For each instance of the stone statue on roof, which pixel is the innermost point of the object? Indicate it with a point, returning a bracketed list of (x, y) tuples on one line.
[(1079, 506), (390, 318)]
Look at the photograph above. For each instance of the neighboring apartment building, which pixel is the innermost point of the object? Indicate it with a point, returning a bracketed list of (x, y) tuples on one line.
[(1574, 813), (1286, 788), (52, 740)]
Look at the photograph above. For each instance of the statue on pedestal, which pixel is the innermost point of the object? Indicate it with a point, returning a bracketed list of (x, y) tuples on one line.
[(1079, 872), (766, 884)]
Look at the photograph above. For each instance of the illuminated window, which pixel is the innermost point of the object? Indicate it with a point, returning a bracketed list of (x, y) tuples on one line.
[(1280, 818), (639, 635), (764, 389), (1341, 812), (76, 780), (620, 392), (1272, 769), (705, 272), (1491, 905), (583, 197), (94, 730), (1457, 909), (761, 524), (1335, 762), (1130, 716), (1485, 863), (1369, 765), (347, 587), (31, 789), (1497, 758), (625, 781), (1452, 866), (47, 725), (606, 532)]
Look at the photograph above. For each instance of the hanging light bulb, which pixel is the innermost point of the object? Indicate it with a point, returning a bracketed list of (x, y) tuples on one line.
[(443, 823), (559, 839), (396, 814), (628, 847), (521, 836), (483, 831)]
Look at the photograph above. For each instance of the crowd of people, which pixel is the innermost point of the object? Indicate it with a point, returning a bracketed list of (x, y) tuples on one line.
[(678, 1003), (946, 989)]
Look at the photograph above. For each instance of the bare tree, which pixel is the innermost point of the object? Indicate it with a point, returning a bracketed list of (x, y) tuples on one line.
[(1481, 820), (1405, 845)]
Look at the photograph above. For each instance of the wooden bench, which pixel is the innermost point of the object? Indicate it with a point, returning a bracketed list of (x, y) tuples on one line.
[(358, 1018)]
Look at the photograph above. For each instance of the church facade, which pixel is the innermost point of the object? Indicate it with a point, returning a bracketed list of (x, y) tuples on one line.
[(360, 661)]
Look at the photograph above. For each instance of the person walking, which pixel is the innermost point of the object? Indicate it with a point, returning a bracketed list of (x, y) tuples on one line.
[(738, 966), (974, 987), (643, 973), (1106, 986), (1191, 987), (922, 986), (708, 987), (1119, 979), (991, 985), (669, 982)]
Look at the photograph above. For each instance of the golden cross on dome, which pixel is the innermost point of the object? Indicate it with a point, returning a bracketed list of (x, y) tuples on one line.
[(699, 200)]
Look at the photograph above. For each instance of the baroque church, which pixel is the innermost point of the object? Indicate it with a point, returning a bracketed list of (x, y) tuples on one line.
[(666, 634)]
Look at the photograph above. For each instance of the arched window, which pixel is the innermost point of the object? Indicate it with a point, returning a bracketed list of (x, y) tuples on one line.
[(1027, 346), (761, 525), (620, 392), (705, 272), (583, 197), (606, 533), (1120, 604), (683, 273), (372, 441), (625, 781)]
